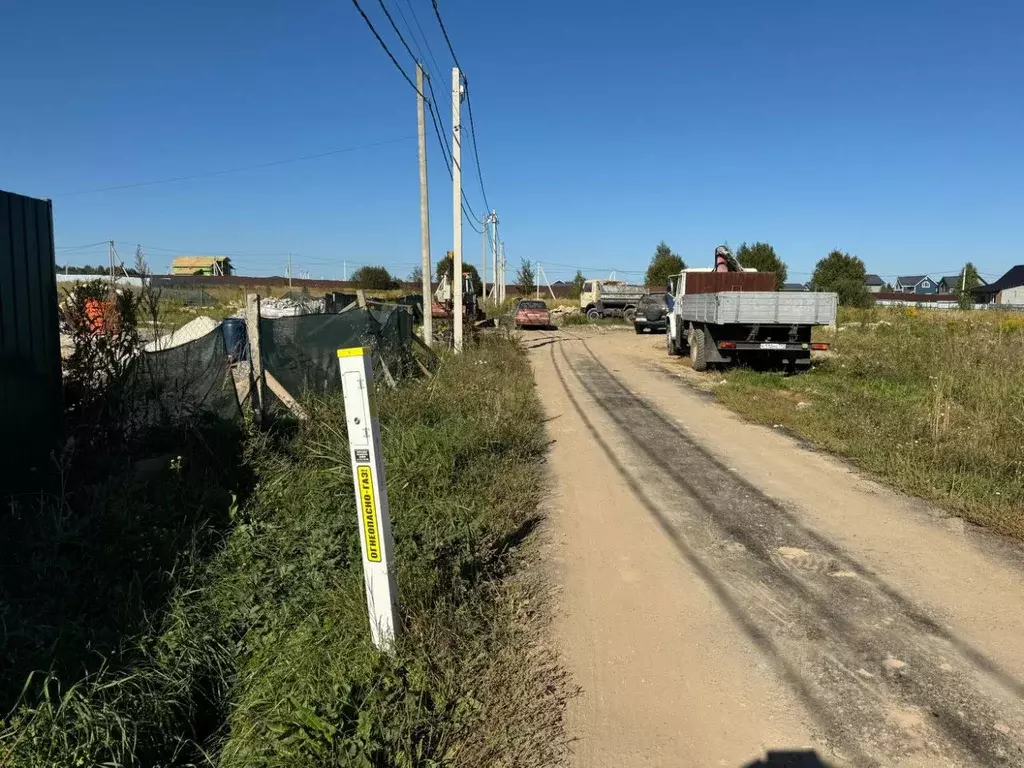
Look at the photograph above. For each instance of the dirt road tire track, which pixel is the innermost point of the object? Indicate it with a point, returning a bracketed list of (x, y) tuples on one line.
[(884, 684)]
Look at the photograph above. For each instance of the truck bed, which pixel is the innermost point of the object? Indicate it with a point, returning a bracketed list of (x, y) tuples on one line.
[(759, 308)]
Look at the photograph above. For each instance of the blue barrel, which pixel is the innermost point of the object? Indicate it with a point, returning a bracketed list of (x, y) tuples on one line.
[(236, 339)]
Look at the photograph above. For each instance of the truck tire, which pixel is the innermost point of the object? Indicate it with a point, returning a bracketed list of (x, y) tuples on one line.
[(670, 344), (593, 314), (629, 313), (698, 355)]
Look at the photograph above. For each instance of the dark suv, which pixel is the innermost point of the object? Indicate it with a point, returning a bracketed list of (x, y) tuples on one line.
[(651, 314)]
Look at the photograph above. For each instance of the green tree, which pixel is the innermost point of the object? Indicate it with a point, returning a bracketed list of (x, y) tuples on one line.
[(663, 264), (374, 278), (525, 278), (844, 274), (416, 276), (965, 285), (762, 257), (444, 267), (577, 285)]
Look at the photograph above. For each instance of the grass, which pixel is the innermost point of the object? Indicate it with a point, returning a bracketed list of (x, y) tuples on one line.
[(260, 655), (930, 402)]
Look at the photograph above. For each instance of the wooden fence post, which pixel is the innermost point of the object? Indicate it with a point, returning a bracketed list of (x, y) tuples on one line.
[(257, 380)]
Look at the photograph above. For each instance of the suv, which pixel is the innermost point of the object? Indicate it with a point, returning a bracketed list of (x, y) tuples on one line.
[(651, 313)]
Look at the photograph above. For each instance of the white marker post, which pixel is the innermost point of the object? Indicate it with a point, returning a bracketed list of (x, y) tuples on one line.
[(371, 495)]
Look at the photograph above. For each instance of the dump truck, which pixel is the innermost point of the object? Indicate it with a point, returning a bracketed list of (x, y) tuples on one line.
[(611, 298), (729, 317)]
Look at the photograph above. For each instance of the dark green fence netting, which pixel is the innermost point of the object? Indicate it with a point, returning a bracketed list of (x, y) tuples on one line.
[(301, 351), (188, 384)]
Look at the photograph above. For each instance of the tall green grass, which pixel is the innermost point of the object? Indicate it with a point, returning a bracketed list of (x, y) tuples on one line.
[(929, 401), (262, 655)]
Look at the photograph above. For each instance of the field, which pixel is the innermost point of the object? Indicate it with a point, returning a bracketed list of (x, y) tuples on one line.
[(204, 618), (931, 402)]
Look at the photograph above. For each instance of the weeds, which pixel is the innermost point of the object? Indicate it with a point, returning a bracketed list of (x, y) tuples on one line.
[(261, 654), (929, 401)]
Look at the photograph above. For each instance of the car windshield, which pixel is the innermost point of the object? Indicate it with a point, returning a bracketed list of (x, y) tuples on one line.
[(654, 300), (532, 305)]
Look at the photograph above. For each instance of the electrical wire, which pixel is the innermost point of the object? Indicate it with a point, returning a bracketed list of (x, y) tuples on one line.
[(469, 102), (225, 171), (426, 43), (398, 66)]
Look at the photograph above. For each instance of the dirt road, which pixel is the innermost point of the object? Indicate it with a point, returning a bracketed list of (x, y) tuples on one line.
[(724, 591)]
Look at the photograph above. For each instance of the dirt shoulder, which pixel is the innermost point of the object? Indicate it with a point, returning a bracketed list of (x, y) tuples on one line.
[(726, 591)]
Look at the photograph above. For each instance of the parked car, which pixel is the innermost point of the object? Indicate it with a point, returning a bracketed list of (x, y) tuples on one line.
[(532, 313), (651, 313)]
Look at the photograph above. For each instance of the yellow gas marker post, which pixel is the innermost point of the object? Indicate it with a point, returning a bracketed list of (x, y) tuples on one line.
[(371, 495)]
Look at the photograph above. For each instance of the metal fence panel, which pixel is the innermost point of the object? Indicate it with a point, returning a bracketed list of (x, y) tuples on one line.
[(30, 373)]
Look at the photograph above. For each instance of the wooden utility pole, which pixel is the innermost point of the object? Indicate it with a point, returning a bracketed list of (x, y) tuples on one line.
[(457, 208), (483, 257), (421, 124)]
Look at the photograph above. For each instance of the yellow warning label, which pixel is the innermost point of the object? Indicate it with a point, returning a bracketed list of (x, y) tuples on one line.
[(371, 526)]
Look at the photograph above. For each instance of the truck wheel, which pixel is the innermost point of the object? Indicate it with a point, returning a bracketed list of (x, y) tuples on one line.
[(629, 313), (638, 330), (698, 355), (670, 344), (593, 314)]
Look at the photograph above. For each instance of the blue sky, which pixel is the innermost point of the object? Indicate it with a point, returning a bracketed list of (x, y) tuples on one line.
[(890, 130)]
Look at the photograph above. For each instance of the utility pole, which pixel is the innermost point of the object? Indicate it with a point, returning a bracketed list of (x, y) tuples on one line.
[(289, 271), (536, 280), (421, 124), (457, 207), (483, 255), (110, 259), (504, 276)]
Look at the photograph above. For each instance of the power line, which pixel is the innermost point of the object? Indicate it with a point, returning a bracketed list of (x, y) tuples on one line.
[(469, 103), (225, 171), (451, 50), (412, 85), (426, 43)]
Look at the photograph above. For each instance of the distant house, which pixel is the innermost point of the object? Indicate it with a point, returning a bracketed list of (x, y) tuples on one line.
[(1008, 289), (201, 265), (874, 283), (915, 284), (951, 283), (796, 286)]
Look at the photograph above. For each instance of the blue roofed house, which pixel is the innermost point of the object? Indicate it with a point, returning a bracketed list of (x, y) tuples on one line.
[(915, 284)]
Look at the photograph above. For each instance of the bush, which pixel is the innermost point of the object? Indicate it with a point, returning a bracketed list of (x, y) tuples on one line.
[(374, 278)]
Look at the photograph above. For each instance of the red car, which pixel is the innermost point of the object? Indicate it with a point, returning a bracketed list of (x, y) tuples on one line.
[(530, 313)]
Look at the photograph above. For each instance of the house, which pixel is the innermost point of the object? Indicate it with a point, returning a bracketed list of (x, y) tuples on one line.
[(915, 284), (795, 287), (874, 283), (201, 265), (951, 283), (1008, 289)]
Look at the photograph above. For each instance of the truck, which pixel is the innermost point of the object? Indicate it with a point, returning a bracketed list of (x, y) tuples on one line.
[(722, 318), (610, 298)]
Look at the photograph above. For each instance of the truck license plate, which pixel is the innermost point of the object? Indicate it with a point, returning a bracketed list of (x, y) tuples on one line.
[(772, 345)]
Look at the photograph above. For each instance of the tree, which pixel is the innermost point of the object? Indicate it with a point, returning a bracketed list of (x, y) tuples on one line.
[(762, 257), (525, 278), (444, 267), (374, 278), (844, 274), (577, 285), (416, 276), (663, 264), (965, 285)]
